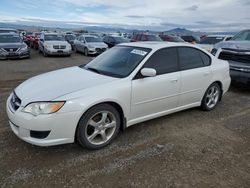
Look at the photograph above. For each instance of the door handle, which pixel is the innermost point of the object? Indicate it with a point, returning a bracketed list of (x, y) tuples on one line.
[(206, 73), (174, 80)]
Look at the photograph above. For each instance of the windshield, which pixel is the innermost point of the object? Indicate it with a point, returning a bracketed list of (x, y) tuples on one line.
[(243, 35), (28, 33), (153, 38), (10, 39), (211, 40), (53, 38), (93, 39), (120, 39), (119, 61), (171, 38), (177, 39), (70, 37)]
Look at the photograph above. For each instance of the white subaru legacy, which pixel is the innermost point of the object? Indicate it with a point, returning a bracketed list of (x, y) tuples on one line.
[(128, 84)]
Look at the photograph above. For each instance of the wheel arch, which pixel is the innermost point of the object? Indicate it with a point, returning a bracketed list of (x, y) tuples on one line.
[(221, 88), (117, 106)]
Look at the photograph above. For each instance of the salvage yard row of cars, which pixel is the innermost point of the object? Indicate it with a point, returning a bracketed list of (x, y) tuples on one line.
[(234, 49), (93, 102)]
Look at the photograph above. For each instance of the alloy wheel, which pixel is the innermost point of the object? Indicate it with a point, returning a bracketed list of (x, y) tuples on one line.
[(212, 97), (100, 127)]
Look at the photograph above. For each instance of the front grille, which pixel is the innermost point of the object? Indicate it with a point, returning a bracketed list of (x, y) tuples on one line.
[(15, 101), (100, 50), (10, 49), (243, 58), (59, 47)]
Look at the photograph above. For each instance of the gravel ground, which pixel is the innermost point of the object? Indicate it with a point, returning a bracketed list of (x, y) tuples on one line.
[(186, 149)]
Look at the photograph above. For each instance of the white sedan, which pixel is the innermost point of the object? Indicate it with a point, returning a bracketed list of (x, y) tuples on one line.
[(128, 84)]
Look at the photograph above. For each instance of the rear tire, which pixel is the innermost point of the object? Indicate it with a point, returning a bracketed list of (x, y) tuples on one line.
[(98, 127), (211, 98)]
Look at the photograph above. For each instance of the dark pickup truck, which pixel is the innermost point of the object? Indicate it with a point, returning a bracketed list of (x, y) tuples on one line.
[(237, 53)]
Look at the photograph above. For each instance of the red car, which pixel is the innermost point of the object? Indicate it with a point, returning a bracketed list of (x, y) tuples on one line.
[(34, 39), (27, 38), (145, 37)]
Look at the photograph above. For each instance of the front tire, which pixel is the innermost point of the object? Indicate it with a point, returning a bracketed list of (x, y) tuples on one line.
[(211, 97), (98, 126), (44, 53), (86, 51)]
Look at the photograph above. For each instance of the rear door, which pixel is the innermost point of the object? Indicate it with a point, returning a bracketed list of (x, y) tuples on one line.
[(152, 95), (196, 74)]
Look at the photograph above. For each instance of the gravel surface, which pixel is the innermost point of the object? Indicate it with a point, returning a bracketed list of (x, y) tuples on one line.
[(186, 149)]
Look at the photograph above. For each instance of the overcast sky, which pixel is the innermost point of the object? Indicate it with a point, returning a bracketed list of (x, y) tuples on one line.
[(204, 15)]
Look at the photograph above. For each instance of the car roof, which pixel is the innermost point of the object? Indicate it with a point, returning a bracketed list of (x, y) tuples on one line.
[(90, 36), (52, 34), (155, 45), (219, 36), (7, 29), (11, 33)]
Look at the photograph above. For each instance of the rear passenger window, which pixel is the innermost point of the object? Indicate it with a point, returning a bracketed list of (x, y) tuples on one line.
[(205, 58), (191, 58), (163, 61)]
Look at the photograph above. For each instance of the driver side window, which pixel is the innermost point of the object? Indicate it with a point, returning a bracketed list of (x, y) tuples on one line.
[(163, 61)]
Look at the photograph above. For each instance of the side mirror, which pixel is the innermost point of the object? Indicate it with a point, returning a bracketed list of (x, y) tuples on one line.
[(148, 72), (42, 40)]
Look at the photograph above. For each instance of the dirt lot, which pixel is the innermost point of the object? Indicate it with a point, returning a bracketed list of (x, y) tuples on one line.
[(186, 149)]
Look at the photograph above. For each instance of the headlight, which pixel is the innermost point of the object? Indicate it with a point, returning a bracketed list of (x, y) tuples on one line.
[(90, 46), (214, 51), (69, 46), (1, 51), (25, 48), (38, 108), (47, 46)]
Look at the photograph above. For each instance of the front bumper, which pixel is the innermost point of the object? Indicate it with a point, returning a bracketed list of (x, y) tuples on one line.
[(240, 76), (59, 126), (58, 51), (15, 55)]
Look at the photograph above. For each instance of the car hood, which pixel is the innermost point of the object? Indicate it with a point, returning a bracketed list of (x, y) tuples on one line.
[(56, 42), (240, 45), (98, 44), (12, 45), (207, 47), (49, 86)]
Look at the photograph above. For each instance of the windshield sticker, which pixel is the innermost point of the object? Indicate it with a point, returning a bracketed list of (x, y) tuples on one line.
[(139, 52)]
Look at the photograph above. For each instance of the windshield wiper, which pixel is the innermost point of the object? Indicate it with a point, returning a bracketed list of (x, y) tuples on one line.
[(93, 70)]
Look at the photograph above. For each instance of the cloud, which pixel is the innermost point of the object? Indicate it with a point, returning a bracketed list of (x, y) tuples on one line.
[(192, 8), (157, 15)]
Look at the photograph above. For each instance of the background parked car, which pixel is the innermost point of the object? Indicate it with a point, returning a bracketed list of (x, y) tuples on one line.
[(237, 53), (34, 40), (26, 37), (70, 39), (8, 30), (171, 38), (89, 45), (54, 44), (208, 42), (190, 39), (114, 40), (12, 46), (145, 37)]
